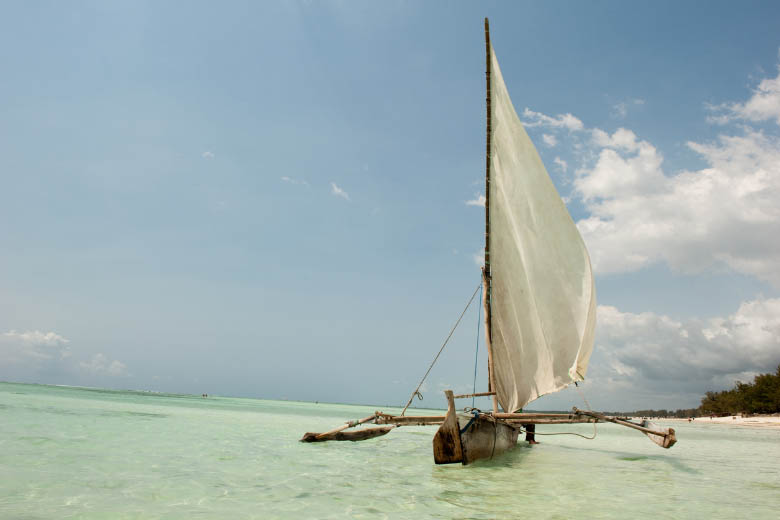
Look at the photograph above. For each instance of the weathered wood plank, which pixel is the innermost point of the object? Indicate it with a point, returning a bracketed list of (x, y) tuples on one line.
[(446, 443), (410, 420), (480, 394), (576, 420), (354, 435), (516, 418), (529, 415), (485, 438)]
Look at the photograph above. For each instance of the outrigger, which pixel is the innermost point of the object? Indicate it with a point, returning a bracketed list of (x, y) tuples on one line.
[(467, 437)]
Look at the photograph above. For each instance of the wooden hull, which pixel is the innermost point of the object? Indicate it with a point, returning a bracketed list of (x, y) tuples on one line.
[(485, 438), (466, 438)]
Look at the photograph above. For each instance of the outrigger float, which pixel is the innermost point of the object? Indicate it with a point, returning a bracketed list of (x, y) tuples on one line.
[(539, 303)]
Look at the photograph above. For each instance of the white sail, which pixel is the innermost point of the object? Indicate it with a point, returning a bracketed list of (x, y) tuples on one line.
[(543, 299)]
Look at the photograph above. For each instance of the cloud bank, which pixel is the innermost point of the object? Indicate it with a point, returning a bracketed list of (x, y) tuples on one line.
[(35, 356), (694, 220), (763, 105), (649, 352), (32, 347), (100, 364), (724, 215)]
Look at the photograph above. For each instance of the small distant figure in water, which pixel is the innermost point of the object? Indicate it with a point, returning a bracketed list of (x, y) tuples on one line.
[(204, 395), (530, 430)]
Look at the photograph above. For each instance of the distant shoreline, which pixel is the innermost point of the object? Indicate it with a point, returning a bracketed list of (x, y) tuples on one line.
[(762, 421)]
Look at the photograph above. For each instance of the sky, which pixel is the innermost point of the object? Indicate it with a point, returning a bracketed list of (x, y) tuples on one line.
[(281, 199)]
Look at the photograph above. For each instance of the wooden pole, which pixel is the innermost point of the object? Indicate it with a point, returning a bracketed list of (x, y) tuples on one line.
[(532, 415), (489, 344), (489, 118), (410, 420), (544, 420), (486, 270), (624, 423), (480, 394), (532, 418), (350, 424)]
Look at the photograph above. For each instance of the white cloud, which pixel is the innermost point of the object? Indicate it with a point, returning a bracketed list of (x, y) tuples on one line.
[(763, 105), (45, 357), (208, 155), (338, 192), (479, 258), (621, 109), (625, 167), (297, 182), (100, 365), (694, 220), (32, 347), (478, 200), (549, 140), (37, 338), (566, 121), (622, 139), (653, 354), (718, 217), (563, 165)]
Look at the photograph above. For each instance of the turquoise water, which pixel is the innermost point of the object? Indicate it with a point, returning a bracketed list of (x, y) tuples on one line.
[(81, 453)]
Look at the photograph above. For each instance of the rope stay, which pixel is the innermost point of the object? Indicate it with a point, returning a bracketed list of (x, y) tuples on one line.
[(476, 412), (417, 390)]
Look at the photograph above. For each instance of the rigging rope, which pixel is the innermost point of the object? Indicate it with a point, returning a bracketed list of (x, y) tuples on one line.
[(595, 432), (564, 433), (588, 405), (476, 355), (417, 390)]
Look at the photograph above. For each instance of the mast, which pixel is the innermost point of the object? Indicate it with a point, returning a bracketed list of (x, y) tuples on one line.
[(542, 265), (486, 269)]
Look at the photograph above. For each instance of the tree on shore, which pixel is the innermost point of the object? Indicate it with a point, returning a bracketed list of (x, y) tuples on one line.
[(760, 396)]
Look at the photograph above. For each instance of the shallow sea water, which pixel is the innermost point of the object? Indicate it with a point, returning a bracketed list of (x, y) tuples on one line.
[(83, 453)]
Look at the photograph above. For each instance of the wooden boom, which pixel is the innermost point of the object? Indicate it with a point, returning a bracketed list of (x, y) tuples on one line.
[(519, 418), (664, 437)]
